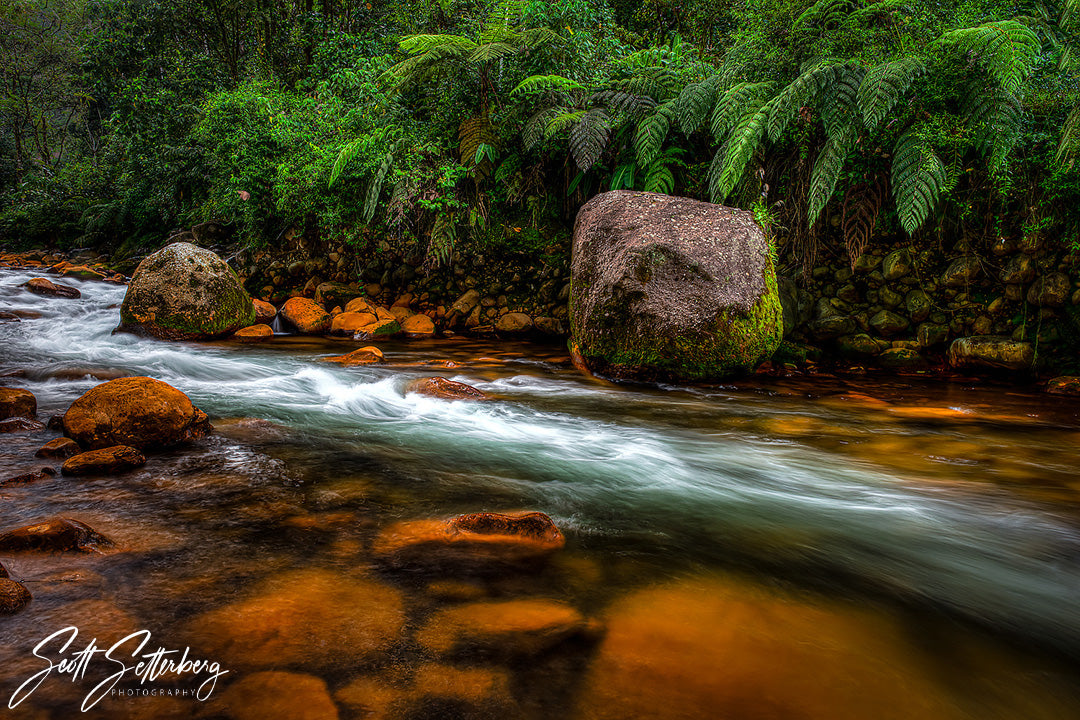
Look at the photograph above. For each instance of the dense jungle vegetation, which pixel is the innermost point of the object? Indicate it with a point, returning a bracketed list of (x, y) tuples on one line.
[(840, 122)]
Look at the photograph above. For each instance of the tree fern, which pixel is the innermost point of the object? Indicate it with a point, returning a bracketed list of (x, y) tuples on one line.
[(536, 126), (562, 121), (884, 85), (1069, 142), (443, 235), (823, 14), (472, 133), (651, 133), (489, 51), (731, 106), (918, 178), (730, 161), (694, 103), (630, 104), (659, 176), (371, 199), (589, 137), (658, 83), (1007, 50), (826, 172), (800, 92), (994, 118), (347, 153), (535, 84), (838, 100)]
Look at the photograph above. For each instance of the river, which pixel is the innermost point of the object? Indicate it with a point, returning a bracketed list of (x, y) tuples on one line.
[(810, 547)]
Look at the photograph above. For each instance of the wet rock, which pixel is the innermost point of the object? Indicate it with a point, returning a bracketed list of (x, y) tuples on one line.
[(466, 303), (305, 316), (773, 657), (919, 306), (139, 411), (349, 323), (1019, 270), (930, 334), (860, 345), (29, 477), (991, 352), (270, 695), (334, 294), (53, 535), (9, 317), (550, 326), (3, 572), (418, 326), (56, 422), (514, 322), (668, 287), (372, 699), (829, 322), (866, 263), (82, 272), (508, 628), (440, 387), (888, 323), (983, 325), (184, 292), (901, 359), (363, 356), (400, 313), (380, 328), (896, 265), (477, 542), (890, 298), (962, 271), (13, 596), (16, 402), (264, 312), (1050, 291), (360, 305), (317, 619), (105, 461), (446, 691), (254, 334), (1064, 385), (20, 424), (47, 288)]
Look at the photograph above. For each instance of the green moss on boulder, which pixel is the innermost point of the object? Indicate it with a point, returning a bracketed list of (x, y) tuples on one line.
[(671, 288), (184, 292)]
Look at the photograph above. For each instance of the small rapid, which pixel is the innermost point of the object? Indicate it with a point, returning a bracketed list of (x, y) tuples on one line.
[(665, 472)]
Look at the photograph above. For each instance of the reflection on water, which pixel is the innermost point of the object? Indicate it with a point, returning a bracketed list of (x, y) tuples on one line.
[(762, 549)]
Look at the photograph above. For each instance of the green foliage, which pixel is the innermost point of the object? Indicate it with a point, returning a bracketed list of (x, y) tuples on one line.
[(884, 85), (1007, 49), (918, 178)]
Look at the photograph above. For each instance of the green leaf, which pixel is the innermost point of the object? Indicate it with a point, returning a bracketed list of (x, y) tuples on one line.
[(918, 178), (826, 172), (694, 103), (731, 106), (535, 84), (884, 85), (800, 92), (1007, 49), (731, 159), (651, 133), (589, 137)]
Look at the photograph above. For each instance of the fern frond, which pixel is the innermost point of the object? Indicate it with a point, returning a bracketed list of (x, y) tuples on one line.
[(826, 172), (371, 199), (504, 15), (741, 144), (562, 121), (918, 178), (800, 92), (620, 101), (535, 84), (823, 14), (657, 83), (859, 214), (472, 133), (623, 177), (589, 137), (535, 37), (694, 103), (1070, 136), (884, 85), (441, 245), (347, 153), (421, 44), (1007, 49), (838, 101), (489, 51), (659, 179), (651, 133), (861, 15), (995, 119), (732, 105), (536, 126)]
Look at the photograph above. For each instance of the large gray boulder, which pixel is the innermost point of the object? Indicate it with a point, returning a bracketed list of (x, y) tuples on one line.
[(670, 288), (184, 292)]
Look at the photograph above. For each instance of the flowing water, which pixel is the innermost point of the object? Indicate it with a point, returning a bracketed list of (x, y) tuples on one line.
[(802, 548)]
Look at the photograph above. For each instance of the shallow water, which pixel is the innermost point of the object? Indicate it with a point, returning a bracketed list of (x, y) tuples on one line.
[(769, 548)]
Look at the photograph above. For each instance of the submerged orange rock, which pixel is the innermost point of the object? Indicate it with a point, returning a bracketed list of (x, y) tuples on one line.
[(440, 387), (363, 356), (254, 333), (504, 628)]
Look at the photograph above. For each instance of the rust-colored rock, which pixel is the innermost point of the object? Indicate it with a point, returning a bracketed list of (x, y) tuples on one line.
[(379, 328), (13, 596), (254, 334), (360, 305), (443, 690), (363, 356), (333, 294), (16, 402), (82, 272), (53, 535), (440, 387), (514, 322), (317, 619), (477, 542), (29, 477), (138, 411), (1064, 385), (505, 628), (400, 312), (3, 571), (47, 288), (264, 311), (418, 326), (20, 424), (306, 316), (104, 461), (348, 323), (274, 694)]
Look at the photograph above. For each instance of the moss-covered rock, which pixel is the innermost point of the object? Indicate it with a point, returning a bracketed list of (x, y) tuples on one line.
[(671, 288), (184, 292)]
